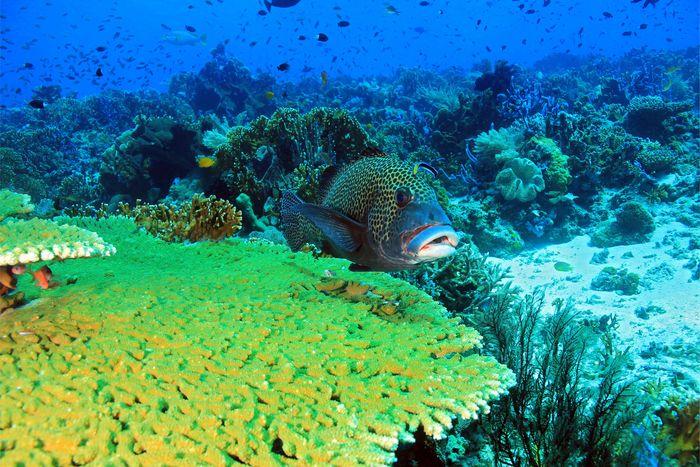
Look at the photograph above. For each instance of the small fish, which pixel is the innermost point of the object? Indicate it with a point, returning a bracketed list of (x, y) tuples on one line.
[(607, 14), (343, 24), (627, 33), (36, 103), (184, 38), (7, 279), (563, 266), (190, 28), (283, 66), (377, 212), (424, 3), (321, 37), (643, 26), (205, 162), (391, 9), (324, 78), (262, 13), (42, 277), (99, 73), (302, 37), (269, 95), (28, 66), (279, 3), (101, 48)]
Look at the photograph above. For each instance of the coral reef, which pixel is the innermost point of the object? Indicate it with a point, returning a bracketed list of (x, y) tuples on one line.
[(611, 279), (200, 218), (224, 86), (144, 161), (632, 224), (37, 240), (520, 179), (237, 365), (653, 117), (287, 150)]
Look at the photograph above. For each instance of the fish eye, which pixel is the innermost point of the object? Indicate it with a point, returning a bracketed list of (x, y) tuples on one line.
[(403, 197)]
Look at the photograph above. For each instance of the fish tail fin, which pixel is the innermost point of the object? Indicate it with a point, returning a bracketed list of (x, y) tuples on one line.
[(294, 225), (203, 38), (268, 5)]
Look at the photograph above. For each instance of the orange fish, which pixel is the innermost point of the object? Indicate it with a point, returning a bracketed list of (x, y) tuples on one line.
[(42, 277), (7, 279)]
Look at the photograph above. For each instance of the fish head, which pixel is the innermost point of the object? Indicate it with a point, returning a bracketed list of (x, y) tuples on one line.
[(406, 224)]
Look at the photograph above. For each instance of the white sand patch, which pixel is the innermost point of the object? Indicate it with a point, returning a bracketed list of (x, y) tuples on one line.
[(666, 345)]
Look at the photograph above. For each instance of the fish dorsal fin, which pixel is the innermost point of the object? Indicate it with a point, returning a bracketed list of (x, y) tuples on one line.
[(344, 232), (326, 180), (371, 151)]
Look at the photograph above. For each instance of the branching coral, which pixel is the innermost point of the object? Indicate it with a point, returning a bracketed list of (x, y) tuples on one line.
[(201, 218), (210, 359)]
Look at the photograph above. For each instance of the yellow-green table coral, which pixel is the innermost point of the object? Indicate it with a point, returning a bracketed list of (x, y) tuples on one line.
[(225, 352), (23, 242), (14, 203)]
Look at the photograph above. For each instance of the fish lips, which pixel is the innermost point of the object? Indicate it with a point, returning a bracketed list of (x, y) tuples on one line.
[(431, 241)]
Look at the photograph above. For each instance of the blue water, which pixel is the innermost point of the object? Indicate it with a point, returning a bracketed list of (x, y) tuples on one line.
[(60, 38)]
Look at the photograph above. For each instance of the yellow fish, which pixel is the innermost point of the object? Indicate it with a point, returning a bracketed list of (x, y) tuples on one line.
[(270, 95), (205, 162), (324, 78)]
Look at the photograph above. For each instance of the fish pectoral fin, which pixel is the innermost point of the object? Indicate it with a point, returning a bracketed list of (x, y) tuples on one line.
[(344, 232)]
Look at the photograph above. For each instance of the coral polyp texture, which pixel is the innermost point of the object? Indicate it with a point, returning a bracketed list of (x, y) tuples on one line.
[(14, 203), (230, 352), (23, 242)]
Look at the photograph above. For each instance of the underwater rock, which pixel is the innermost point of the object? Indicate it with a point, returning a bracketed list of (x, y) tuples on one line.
[(645, 312), (251, 223), (653, 117), (224, 86), (611, 279), (632, 224), (211, 351), (148, 157)]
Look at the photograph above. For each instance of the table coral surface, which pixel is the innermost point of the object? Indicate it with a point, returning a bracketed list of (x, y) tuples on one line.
[(228, 352)]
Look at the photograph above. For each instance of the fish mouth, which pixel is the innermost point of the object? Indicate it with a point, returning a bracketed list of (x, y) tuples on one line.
[(431, 241)]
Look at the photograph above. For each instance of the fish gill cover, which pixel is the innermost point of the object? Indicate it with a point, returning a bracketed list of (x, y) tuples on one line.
[(544, 192)]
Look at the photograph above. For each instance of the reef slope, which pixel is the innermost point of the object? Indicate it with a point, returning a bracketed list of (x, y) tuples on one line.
[(228, 352)]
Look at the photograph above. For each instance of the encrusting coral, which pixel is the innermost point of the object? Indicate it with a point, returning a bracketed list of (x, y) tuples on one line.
[(201, 218), (142, 365)]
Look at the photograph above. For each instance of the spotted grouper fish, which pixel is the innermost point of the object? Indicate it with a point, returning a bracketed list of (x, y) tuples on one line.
[(379, 212)]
